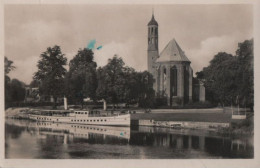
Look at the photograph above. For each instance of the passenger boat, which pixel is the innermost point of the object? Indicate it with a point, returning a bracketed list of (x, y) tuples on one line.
[(74, 130), (89, 117)]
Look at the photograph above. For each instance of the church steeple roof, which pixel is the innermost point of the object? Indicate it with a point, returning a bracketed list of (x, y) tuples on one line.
[(172, 52), (153, 21)]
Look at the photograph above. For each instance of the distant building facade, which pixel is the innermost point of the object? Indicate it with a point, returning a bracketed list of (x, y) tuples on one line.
[(32, 94), (171, 70)]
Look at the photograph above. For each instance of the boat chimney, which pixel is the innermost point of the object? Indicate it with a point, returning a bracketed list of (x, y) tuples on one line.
[(65, 103), (104, 104)]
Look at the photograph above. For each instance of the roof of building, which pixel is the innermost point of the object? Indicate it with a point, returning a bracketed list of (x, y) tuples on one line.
[(172, 52), (153, 22)]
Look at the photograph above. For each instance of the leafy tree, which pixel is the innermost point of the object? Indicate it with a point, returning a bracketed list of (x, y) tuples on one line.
[(245, 56), (17, 90), (111, 81), (8, 67), (14, 89), (51, 72), (34, 84), (221, 77), (144, 89), (119, 83), (81, 78), (229, 79)]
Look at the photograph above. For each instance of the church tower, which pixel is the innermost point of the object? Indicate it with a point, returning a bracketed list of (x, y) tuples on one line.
[(152, 51)]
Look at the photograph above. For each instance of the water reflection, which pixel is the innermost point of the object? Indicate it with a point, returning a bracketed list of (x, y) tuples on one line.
[(25, 139)]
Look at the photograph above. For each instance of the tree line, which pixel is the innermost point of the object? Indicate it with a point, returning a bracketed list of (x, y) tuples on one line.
[(115, 82), (228, 79)]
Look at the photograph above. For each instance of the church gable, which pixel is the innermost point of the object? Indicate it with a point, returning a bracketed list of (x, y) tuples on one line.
[(172, 52)]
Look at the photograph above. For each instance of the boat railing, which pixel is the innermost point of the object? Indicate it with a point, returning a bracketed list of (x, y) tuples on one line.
[(50, 112)]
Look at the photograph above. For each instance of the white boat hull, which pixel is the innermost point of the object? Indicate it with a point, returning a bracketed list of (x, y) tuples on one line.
[(120, 120)]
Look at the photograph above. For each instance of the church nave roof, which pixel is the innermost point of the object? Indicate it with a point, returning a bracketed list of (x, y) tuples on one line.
[(172, 52)]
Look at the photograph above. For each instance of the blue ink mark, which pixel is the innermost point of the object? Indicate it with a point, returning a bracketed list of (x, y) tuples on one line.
[(91, 44), (99, 47), (122, 134)]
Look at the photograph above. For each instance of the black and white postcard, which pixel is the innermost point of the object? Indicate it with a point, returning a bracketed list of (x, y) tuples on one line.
[(129, 84)]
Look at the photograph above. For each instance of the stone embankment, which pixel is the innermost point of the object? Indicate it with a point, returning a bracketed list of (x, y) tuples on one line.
[(181, 124)]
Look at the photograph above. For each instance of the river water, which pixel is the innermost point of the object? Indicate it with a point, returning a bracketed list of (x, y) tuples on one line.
[(43, 140)]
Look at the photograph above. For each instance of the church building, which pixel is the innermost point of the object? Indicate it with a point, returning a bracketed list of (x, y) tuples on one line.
[(171, 70)]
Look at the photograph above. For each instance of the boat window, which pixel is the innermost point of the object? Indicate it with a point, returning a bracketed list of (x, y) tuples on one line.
[(87, 120), (94, 120), (78, 120), (71, 120), (81, 120), (86, 113), (105, 120), (84, 120), (82, 112), (101, 120), (90, 120), (97, 120)]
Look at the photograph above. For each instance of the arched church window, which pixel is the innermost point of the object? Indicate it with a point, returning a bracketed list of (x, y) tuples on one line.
[(156, 31), (164, 78), (152, 29), (173, 81)]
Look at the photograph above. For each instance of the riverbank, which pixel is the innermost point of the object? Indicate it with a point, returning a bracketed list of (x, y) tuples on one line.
[(212, 119), (214, 115)]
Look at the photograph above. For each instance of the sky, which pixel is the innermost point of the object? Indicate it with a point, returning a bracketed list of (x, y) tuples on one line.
[(201, 31)]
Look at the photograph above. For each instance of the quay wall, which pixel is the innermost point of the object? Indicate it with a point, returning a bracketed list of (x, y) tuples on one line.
[(181, 124)]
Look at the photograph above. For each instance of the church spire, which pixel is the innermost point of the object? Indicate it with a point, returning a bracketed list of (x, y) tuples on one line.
[(153, 21)]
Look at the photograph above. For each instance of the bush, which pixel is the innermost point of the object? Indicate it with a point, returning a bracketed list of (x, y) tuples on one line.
[(192, 105), (147, 103), (162, 101)]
